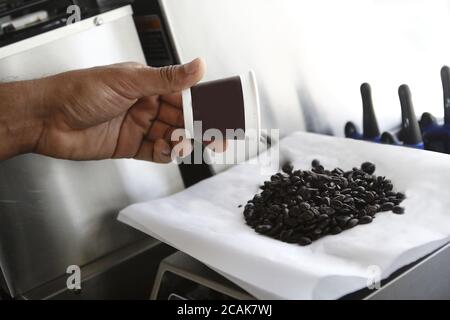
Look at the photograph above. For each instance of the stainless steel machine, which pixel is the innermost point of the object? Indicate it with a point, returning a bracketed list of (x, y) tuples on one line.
[(56, 213)]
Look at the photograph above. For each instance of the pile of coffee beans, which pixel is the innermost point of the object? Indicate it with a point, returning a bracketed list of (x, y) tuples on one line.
[(298, 206)]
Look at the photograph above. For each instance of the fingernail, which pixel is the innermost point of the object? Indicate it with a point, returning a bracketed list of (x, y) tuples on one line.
[(166, 151), (192, 66)]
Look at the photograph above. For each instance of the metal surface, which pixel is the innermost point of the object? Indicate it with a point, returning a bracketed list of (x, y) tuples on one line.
[(428, 278), (56, 213), (125, 274), (186, 267)]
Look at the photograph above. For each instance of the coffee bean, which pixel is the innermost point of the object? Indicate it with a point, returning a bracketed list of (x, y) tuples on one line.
[(328, 211), (319, 169), (318, 231), (400, 196), (263, 228), (365, 220), (387, 206), (304, 241), (398, 210), (287, 168), (371, 210), (336, 204), (304, 206), (335, 230), (351, 223), (368, 167), (301, 206), (315, 163)]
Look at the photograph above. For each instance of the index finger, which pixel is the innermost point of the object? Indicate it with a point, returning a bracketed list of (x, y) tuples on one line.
[(173, 99)]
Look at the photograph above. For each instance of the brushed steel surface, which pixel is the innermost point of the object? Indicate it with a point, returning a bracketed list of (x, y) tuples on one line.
[(55, 213), (427, 280), (127, 273)]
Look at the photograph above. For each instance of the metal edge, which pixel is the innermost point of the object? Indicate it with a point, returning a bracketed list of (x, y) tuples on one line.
[(68, 30), (91, 270)]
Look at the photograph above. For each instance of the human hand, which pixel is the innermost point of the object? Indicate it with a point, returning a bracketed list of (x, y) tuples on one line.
[(119, 111)]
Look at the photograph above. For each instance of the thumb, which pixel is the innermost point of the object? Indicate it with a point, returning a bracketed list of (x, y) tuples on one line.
[(150, 81)]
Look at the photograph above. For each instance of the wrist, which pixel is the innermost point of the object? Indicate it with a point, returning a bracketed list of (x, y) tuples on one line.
[(21, 117)]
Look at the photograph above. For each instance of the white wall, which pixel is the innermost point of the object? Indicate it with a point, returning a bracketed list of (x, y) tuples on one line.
[(313, 55)]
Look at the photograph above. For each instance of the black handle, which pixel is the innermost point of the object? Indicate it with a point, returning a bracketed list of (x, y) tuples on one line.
[(410, 133), (370, 124), (445, 77), (389, 138), (350, 130)]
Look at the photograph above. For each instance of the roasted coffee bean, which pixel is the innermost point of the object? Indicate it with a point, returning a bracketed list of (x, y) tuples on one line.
[(398, 210), (365, 220), (315, 163), (400, 196), (263, 228), (287, 168), (336, 204), (387, 206), (327, 210), (368, 167), (371, 210), (335, 230), (326, 201), (318, 231), (300, 206), (318, 169), (304, 206), (304, 241), (351, 223)]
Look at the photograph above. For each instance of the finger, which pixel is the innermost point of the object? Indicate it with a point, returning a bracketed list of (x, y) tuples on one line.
[(173, 99), (140, 82), (171, 115), (144, 111), (129, 64), (162, 152), (158, 151), (161, 130), (145, 151)]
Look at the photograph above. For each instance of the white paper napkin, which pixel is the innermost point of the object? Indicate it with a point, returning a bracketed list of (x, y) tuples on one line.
[(205, 222)]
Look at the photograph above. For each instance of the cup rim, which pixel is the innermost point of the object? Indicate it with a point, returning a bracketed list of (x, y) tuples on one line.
[(251, 104), (186, 98)]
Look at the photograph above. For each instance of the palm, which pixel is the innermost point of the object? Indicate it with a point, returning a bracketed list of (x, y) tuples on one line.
[(145, 124)]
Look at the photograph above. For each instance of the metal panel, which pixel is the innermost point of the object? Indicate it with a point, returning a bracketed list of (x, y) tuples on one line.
[(428, 279), (55, 213)]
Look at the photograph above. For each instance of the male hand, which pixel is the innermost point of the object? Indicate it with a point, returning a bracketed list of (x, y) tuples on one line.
[(119, 111)]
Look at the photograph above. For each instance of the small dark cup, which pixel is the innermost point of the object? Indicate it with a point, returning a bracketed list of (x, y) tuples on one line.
[(224, 105)]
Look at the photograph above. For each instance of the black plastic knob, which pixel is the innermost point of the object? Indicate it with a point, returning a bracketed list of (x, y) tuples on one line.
[(370, 124), (410, 132)]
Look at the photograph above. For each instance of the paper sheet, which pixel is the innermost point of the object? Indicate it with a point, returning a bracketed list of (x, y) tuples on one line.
[(205, 222)]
